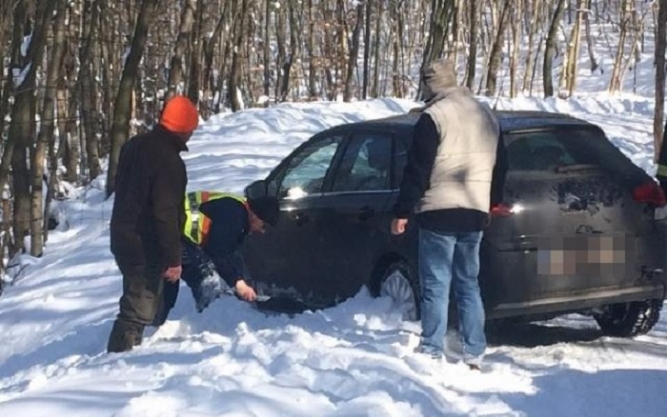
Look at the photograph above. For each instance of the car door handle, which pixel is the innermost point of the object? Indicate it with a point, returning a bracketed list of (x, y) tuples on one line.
[(301, 218), (366, 213)]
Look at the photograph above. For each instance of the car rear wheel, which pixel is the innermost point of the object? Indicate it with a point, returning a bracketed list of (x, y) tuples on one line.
[(629, 319), (398, 282)]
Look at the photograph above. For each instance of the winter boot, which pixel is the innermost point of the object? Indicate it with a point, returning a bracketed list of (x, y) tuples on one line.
[(123, 337)]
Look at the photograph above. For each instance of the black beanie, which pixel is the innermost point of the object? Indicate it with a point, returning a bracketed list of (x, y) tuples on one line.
[(266, 208)]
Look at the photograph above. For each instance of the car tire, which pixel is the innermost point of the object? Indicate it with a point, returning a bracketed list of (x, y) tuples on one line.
[(629, 319), (398, 281)]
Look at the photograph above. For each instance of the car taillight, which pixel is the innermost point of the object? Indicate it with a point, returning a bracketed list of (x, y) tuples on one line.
[(501, 210), (650, 193)]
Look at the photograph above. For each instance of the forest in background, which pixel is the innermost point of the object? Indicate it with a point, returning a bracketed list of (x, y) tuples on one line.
[(79, 77)]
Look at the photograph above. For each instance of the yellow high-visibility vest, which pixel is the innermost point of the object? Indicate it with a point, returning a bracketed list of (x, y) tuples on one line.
[(196, 224)]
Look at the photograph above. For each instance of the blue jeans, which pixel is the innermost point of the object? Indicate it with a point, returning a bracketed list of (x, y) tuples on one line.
[(451, 259)]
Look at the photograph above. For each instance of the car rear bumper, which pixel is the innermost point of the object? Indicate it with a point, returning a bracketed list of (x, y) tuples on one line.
[(579, 302)]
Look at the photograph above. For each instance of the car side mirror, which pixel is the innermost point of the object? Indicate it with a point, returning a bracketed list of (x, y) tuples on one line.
[(256, 189)]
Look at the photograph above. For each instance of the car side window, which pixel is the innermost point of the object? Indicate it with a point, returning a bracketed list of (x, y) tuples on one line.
[(366, 164), (307, 170), (538, 151)]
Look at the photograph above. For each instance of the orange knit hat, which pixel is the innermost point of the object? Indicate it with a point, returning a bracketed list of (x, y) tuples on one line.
[(180, 115)]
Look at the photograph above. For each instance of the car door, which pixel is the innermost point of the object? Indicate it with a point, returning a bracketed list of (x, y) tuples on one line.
[(284, 257), (571, 219), (351, 224)]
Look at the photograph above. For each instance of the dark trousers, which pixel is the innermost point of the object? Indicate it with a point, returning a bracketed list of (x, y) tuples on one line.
[(142, 292)]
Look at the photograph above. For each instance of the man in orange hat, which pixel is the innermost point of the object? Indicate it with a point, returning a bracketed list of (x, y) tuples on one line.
[(147, 219)]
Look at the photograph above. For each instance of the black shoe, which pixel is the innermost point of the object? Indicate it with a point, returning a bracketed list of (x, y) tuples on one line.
[(123, 337)]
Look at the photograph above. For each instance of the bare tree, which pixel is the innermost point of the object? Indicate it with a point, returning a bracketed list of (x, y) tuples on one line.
[(354, 53), (617, 71), (122, 105), (589, 38), (573, 50), (45, 139), (550, 49), (496, 49), (515, 18), (367, 49), (442, 14), (86, 87), (234, 89), (658, 116), (174, 85), (22, 127), (196, 49), (531, 54), (472, 41)]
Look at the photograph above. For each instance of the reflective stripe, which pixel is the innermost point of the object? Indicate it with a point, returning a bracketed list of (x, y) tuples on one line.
[(194, 199), (662, 170), (196, 224)]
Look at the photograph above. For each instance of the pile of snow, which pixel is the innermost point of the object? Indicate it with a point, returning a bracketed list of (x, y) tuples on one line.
[(352, 360)]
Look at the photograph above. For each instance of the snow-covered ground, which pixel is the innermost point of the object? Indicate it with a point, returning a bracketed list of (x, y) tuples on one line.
[(352, 360)]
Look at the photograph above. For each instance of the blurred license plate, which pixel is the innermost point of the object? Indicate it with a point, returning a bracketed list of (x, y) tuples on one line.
[(584, 255)]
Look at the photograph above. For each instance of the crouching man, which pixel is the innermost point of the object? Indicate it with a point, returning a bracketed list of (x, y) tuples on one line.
[(215, 227)]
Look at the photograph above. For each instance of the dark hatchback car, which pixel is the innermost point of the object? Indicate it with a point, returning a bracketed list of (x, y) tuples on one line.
[(576, 232)]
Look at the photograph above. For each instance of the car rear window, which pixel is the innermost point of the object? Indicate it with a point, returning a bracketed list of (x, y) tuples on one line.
[(567, 149)]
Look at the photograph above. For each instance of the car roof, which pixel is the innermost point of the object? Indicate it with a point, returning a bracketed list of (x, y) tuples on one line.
[(510, 120)]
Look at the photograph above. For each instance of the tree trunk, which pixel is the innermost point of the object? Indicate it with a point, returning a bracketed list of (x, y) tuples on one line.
[(175, 80), (550, 49), (472, 48), (397, 82), (354, 54), (530, 54), (660, 78), (223, 95), (22, 127), (616, 74), (87, 90), (589, 38), (45, 139), (456, 30), (15, 65), (375, 91), (123, 102), (573, 50), (441, 20), (109, 71), (235, 73), (516, 45), (496, 50), (293, 52), (267, 51), (340, 64), (54, 156), (312, 65), (194, 83), (281, 46), (6, 89), (209, 51), (6, 243), (367, 50)]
